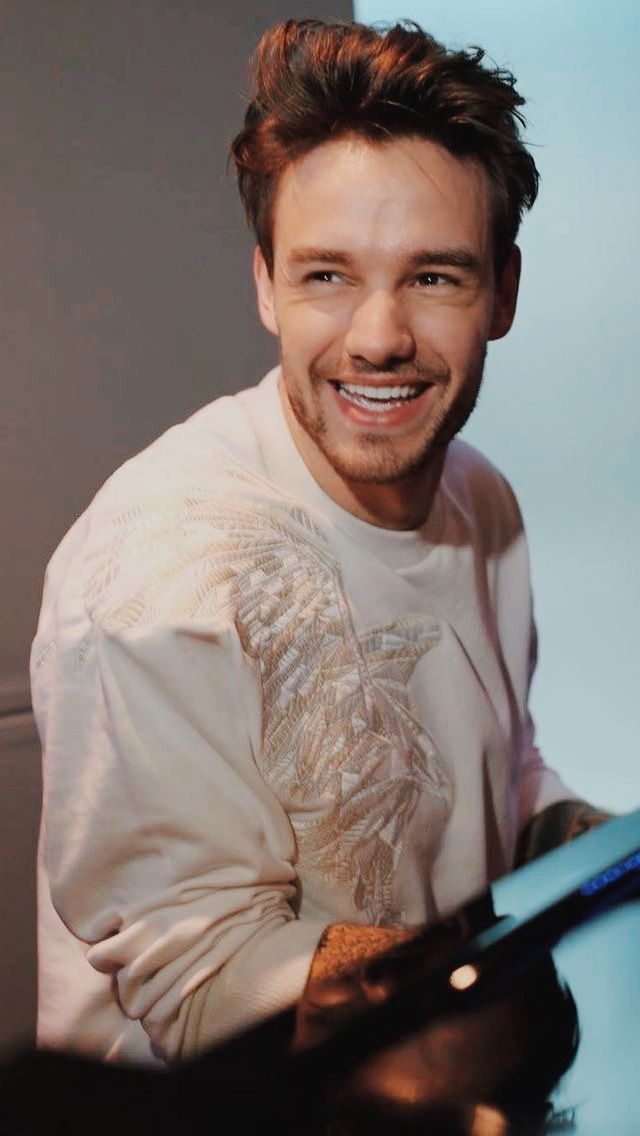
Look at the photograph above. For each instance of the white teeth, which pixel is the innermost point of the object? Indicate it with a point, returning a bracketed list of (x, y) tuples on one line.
[(381, 394), (378, 398)]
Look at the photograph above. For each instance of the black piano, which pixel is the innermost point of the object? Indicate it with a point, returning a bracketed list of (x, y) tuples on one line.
[(526, 1001)]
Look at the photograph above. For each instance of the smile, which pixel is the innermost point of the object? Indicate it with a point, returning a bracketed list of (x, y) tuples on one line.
[(379, 398)]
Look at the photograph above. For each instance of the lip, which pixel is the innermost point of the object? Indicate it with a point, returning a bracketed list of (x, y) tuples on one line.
[(402, 415)]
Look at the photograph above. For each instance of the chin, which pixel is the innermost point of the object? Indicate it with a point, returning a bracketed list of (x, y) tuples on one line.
[(385, 461), (384, 469)]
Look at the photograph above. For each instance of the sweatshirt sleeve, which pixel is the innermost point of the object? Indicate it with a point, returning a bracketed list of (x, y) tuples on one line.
[(539, 785), (167, 854)]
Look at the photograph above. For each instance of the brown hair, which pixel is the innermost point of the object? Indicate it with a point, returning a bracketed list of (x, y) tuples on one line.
[(315, 81)]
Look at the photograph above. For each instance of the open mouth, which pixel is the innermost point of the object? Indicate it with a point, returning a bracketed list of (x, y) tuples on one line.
[(380, 398)]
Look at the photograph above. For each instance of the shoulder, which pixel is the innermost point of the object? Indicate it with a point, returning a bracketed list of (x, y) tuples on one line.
[(483, 496), (188, 456), (225, 430), (169, 536), (144, 538), (469, 473)]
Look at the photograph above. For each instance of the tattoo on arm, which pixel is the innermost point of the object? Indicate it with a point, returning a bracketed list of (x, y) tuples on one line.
[(557, 824)]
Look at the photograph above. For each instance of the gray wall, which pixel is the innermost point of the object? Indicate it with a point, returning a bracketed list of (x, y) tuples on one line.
[(125, 303)]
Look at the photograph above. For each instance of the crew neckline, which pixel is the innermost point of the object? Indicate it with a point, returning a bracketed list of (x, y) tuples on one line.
[(284, 465)]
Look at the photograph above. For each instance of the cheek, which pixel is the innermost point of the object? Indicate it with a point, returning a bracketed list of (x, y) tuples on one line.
[(456, 337), (311, 332)]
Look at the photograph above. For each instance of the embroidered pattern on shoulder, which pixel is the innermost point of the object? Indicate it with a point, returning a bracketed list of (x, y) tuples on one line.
[(341, 748)]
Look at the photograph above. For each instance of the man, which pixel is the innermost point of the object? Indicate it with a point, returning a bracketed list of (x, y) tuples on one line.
[(282, 665)]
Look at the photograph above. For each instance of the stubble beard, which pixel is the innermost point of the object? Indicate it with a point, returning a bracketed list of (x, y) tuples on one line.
[(376, 460)]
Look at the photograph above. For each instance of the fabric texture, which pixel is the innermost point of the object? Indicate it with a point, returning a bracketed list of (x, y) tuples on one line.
[(261, 715)]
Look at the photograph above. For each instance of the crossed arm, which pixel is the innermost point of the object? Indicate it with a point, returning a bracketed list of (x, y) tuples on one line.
[(347, 949)]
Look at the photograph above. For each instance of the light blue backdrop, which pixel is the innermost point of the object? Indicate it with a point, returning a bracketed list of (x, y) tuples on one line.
[(560, 409)]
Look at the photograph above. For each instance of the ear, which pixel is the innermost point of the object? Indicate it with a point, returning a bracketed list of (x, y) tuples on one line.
[(506, 295), (264, 290)]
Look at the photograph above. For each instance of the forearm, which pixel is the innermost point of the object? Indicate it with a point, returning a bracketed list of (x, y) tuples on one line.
[(345, 947), (341, 983), (557, 824)]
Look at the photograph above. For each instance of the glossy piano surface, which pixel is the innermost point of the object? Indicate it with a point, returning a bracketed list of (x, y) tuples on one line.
[(600, 961), (567, 922)]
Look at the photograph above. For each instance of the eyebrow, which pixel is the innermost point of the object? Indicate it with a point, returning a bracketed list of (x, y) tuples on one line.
[(309, 253), (449, 257)]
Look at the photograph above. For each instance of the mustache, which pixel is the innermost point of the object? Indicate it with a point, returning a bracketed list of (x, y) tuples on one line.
[(401, 372)]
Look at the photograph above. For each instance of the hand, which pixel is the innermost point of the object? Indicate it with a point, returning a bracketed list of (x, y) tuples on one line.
[(555, 825), (449, 1074)]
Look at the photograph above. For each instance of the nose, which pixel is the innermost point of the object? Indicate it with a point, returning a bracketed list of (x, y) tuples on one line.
[(378, 333)]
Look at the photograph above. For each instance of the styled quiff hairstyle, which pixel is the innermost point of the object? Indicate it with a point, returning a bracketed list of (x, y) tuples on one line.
[(315, 81)]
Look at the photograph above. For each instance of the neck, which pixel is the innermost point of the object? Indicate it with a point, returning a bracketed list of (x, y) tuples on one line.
[(404, 504), (401, 505)]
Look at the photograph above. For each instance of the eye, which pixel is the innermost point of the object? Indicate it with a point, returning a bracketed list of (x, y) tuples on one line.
[(323, 276), (432, 279)]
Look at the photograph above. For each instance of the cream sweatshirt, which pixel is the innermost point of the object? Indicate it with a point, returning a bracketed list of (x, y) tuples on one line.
[(261, 715)]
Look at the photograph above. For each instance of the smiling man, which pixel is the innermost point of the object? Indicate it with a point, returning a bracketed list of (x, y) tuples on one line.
[(282, 666), (384, 317)]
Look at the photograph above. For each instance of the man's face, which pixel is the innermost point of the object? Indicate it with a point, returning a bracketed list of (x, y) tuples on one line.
[(383, 296)]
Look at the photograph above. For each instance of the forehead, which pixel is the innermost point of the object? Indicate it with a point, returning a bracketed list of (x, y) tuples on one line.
[(373, 196)]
